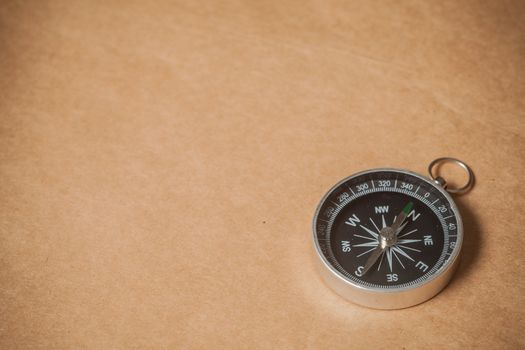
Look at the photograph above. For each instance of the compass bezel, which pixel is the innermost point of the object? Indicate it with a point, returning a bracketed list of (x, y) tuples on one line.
[(393, 297)]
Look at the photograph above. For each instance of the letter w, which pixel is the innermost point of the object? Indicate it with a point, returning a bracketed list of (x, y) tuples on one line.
[(352, 221)]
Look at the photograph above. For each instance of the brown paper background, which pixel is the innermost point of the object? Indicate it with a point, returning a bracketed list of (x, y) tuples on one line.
[(161, 162)]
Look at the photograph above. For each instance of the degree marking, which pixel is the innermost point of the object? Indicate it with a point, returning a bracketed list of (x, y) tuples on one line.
[(337, 205)]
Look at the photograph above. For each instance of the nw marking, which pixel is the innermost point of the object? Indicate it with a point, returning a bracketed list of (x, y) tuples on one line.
[(381, 209)]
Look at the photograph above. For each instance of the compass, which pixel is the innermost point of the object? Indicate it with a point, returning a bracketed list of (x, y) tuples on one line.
[(389, 238)]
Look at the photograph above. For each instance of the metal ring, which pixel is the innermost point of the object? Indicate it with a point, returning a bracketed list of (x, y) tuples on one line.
[(458, 162)]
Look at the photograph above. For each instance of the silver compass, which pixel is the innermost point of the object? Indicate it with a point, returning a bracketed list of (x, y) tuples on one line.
[(389, 238)]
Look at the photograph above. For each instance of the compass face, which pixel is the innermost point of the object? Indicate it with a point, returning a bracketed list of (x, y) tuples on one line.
[(356, 234)]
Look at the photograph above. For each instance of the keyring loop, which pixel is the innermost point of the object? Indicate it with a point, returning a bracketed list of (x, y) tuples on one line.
[(458, 162)]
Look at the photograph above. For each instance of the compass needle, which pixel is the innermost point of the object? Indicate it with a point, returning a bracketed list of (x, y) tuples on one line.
[(373, 258), (388, 238), (364, 253), (402, 227), (381, 260)]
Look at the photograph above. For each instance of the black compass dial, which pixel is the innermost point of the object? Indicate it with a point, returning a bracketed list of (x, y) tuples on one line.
[(418, 244), (355, 226)]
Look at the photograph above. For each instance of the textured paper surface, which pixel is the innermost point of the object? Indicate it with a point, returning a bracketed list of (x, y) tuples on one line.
[(161, 163)]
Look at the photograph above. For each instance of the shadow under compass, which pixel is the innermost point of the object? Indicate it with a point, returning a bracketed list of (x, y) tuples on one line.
[(472, 241)]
